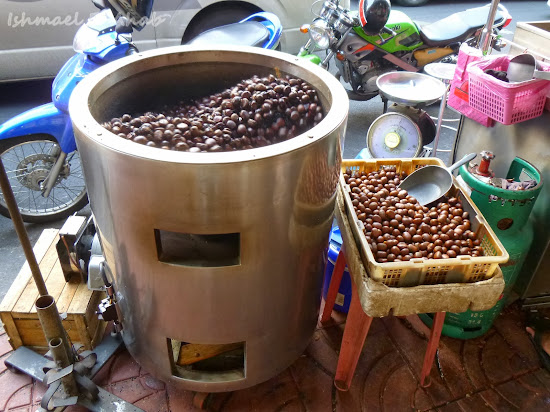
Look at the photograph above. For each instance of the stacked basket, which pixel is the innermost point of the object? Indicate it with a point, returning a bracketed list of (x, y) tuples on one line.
[(507, 103)]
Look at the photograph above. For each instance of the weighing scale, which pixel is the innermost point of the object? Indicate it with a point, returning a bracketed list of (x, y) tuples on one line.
[(401, 132), (404, 129)]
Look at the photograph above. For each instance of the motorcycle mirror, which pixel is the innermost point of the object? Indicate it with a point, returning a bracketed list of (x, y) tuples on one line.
[(123, 25)]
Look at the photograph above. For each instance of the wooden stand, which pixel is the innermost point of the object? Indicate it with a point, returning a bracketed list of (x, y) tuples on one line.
[(373, 299), (73, 298)]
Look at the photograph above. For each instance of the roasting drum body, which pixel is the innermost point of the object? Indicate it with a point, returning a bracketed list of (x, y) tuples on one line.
[(255, 206)]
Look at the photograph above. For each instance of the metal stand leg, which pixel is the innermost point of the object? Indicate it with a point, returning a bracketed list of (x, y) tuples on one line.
[(334, 286), (426, 152), (440, 119), (355, 333), (433, 344), (201, 400), (385, 102)]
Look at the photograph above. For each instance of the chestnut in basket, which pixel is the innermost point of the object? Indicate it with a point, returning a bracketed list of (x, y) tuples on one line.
[(398, 228)]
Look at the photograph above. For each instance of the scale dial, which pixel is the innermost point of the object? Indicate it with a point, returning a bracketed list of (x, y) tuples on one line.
[(394, 135)]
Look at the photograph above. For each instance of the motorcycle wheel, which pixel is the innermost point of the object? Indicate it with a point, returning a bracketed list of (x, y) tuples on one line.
[(353, 95), (27, 161)]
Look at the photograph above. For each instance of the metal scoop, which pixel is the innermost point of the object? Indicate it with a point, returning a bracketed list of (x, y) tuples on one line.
[(524, 67), (431, 182)]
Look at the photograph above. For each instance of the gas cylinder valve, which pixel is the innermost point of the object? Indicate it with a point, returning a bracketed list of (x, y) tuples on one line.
[(482, 171), (483, 168)]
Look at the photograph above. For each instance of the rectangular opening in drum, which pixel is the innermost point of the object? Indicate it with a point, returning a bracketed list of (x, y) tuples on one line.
[(198, 250), (207, 362)]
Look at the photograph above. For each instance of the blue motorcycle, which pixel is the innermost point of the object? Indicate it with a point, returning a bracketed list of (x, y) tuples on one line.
[(38, 146)]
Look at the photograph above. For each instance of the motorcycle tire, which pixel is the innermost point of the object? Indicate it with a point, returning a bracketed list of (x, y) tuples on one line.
[(360, 97), (28, 160), (353, 95)]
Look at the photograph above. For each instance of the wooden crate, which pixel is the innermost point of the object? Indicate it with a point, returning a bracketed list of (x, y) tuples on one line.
[(18, 312)]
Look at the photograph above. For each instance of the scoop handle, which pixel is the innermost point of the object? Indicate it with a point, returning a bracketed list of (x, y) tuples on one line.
[(539, 74), (465, 159)]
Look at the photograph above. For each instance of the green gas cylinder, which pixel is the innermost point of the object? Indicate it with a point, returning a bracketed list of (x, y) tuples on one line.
[(507, 212)]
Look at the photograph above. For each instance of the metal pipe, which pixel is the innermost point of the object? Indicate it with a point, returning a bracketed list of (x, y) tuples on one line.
[(485, 38), (62, 361), (21, 231), (54, 173), (440, 119), (51, 322)]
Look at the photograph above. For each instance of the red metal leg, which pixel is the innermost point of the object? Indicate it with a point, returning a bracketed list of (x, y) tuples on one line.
[(433, 344), (334, 285), (201, 400), (355, 333)]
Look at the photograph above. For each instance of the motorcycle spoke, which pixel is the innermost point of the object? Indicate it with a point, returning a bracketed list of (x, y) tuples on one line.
[(77, 170), (43, 147), (21, 191), (14, 173), (74, 182), (34, 201), (68, 194), (69, 190), (55, 202), (15, 153), (7, 160), (64, 195)]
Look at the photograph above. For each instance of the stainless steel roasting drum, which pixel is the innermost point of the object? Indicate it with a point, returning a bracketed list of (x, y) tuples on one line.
[(210, 250)]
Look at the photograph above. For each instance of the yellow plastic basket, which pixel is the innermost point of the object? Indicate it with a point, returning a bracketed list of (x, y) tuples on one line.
[(461, 269)]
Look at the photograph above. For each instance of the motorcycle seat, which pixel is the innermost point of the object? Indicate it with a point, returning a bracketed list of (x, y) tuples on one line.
[(249, 33), (458, 26)]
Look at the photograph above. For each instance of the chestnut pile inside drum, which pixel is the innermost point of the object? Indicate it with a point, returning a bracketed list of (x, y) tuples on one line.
[(256, 112), (219, 250)]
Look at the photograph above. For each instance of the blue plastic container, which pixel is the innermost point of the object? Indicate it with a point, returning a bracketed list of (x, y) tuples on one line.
[(364, 154), (343, 298)]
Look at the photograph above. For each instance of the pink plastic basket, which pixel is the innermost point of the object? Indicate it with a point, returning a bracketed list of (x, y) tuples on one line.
[(507, 103), (458, 93)]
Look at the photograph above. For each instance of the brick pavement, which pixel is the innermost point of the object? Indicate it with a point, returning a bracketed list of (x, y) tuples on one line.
[(499, 371)]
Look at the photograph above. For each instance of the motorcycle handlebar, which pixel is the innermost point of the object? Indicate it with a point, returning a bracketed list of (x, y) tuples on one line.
[(388, 31)]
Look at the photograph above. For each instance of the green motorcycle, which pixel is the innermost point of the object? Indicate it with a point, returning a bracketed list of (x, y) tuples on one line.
[(374, 40)]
